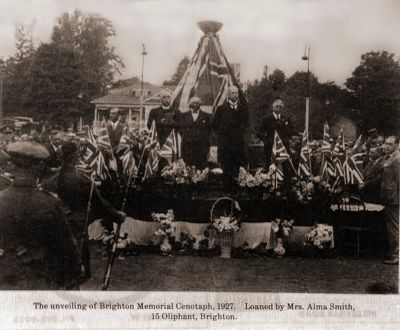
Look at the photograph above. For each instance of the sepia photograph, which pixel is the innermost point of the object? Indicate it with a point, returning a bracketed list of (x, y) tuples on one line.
[(191, 161)]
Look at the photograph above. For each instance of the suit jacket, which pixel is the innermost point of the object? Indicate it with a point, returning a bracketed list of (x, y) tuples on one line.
[(115, 134), (165, 122), (54, 159), (268, 127), (230, 125), (372, 180), (195, 137), (391, 179)]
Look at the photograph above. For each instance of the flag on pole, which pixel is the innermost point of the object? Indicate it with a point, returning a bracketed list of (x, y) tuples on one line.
[(171, 149), (153, 146), (352, 173), (124, 141), (101, 169), (103, 139), (279, 156), (304, 169), (128, 163), (339, 154), (326, 148), (327, 167)]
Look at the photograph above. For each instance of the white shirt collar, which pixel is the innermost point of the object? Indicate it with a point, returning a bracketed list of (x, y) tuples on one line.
[(233, 104), (195, 115), (277, 116), (165, 108)]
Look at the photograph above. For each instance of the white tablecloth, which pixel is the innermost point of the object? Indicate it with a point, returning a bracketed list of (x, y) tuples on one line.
[(253, 233)]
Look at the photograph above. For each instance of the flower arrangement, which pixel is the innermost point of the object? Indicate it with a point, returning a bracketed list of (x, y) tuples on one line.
[(282, 228), (177, 172), (320, 236), (246, 179), (166, 230), (226, 224), (279, 250), (197, 176)]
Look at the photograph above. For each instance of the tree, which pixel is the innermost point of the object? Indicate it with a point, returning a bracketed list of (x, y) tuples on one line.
[(16, 72), (55, 83), (375, 90), (88, 35), (180, 70)]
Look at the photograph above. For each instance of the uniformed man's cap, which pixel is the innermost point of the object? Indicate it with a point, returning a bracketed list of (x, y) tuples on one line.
[(26, 152), (7, 129)]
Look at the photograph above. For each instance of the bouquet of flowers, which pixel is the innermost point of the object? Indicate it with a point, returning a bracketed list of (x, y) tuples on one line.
[(246, 179), (226, 224), (283, 228), (320, 236), (166, 230), (197, 176), (177, 172)]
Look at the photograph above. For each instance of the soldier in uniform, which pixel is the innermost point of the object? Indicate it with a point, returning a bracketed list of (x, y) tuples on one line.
[(37, 248), (74, 190)]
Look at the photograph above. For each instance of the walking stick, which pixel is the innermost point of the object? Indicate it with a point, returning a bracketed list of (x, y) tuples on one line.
[(111, 259), (89, 205)]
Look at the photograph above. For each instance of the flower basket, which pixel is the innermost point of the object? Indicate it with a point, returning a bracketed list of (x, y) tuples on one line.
[(226, 243)]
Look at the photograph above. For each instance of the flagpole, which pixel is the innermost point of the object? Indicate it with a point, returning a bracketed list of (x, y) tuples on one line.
[(141, 114), (306, 57)]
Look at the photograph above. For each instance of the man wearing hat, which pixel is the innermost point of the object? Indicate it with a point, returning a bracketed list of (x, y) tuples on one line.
[(74, 190), (37, 248), (7, 134)]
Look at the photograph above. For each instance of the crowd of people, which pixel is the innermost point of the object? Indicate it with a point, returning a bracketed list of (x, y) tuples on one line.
[(43, 241)]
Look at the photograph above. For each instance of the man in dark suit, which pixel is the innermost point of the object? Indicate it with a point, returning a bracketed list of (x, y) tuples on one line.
[(275, 122), (164, 116), (390, 196), (115, 128), (373, 174), (230, 122), (194, 127)]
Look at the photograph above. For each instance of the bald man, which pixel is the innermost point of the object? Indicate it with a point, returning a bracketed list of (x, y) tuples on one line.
[(164, 116), (230, 122)]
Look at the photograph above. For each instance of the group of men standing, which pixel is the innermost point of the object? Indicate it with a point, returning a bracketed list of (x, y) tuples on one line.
[(200, 131)]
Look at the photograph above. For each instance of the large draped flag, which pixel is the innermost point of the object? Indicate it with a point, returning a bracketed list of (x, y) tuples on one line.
[(171, 149), (327, 167), (153, 146), (208, 75), (339, 155), (304, 169)]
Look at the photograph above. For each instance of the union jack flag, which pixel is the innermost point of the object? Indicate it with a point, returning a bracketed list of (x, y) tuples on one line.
[(353, 165), (327, 167), (171, 149), (103, 139), (305, 161), (339, 154), (101, 169), (124, 141), (208, 76), (279, 156), (326, 148), (153, 146)]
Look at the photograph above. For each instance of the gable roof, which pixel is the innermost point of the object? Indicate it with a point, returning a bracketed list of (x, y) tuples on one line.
[(130, 95)]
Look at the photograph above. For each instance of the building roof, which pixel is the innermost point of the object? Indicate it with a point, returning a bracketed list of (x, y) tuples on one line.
[(130, 96)]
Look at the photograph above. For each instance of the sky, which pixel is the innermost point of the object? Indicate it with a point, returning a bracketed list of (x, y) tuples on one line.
[(255, 33)]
